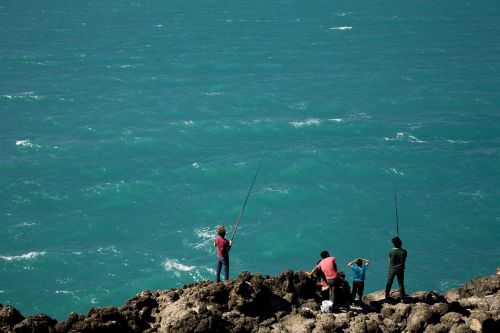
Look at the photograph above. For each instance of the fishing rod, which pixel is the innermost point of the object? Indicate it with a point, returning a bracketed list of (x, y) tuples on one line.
[(245, 203), (396, 205)]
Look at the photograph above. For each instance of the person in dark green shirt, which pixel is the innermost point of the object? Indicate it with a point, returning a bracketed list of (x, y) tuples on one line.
[(397, 259)]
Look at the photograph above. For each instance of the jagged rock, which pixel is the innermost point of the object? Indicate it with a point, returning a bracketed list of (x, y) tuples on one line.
[(9, 316), (437, 328), (427, 297), (439, 309), (480, 286), (390, 326), (419, 317), (484, 322), (451, 318), (40, 323), (401, 312), (460, 328), (287, 302)]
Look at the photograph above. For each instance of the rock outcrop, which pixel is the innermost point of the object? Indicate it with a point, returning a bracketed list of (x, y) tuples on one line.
[(288, 302)]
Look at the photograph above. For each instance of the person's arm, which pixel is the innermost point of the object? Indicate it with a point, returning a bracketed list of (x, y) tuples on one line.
[(367, 262), (351, 263), (313, 271), (228, 245)]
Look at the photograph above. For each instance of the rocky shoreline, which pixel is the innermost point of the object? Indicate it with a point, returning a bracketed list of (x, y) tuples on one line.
[(287, 302)]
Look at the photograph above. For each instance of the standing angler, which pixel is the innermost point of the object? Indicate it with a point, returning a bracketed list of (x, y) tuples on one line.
[(397, 259), (223, 247)]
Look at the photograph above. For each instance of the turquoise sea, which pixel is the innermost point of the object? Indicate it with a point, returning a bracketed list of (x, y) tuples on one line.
[(130, 129)]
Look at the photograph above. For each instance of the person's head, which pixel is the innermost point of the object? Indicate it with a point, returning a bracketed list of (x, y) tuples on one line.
[(221, 231), (324, 254), (396, 241), (359, 262)]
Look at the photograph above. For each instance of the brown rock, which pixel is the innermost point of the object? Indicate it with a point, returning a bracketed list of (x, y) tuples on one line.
[(419, 318), (438, 328), (451, 318), (40, 323), (440, 309), (10, 316)]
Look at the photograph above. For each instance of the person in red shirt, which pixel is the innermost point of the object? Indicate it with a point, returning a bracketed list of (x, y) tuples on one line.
[(328, 266), (223, 247)]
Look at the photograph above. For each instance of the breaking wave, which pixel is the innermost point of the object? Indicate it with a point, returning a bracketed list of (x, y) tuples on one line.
[(307, 122), (26, 256)]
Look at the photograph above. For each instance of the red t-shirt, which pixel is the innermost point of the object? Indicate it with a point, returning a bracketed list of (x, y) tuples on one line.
[(223, 246), (328, 267)]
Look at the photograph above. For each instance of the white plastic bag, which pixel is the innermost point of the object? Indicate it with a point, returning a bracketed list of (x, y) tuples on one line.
[(326, 306)]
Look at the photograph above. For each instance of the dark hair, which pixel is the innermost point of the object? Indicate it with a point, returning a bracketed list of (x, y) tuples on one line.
[(397, 242), (221, 231), (324, 254), (359, 262)]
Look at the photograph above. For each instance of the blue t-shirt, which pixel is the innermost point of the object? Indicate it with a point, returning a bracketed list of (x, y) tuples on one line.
[(359, 272)]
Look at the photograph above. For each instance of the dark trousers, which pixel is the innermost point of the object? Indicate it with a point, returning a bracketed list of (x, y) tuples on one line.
[(222, 261), (400, 274), (332, 289), (357, 288)]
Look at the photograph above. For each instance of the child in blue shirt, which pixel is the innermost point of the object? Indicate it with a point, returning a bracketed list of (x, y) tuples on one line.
[(358, 267)]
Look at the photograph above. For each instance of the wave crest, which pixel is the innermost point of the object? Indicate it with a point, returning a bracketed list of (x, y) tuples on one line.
[(26, 256)]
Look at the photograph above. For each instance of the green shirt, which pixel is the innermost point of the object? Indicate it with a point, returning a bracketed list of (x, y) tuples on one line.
[(397, 258)]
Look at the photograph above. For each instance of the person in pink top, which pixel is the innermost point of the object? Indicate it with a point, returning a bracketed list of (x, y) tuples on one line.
[(223, 247), (328, 266)]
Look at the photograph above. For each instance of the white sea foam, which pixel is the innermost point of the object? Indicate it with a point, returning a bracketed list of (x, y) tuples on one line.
[(204, 242), (413, 138), (307, 122), (188, 123), (25, 95), (337, 120), (474, 195), (298, 106), (281, 191), (26, 143), (341, 28), (213, 93), (210, 270), (174, 266), (458, 141), (108, 249), (26, 224), (396, 171), (400, 136), (360, 115), (27, 256), (195, 165), (204, 233)]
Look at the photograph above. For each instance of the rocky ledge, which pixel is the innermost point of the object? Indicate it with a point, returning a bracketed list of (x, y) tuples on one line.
[(287, 302)]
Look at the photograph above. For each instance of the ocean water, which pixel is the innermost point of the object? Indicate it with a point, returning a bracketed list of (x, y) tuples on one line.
[(130, 129)]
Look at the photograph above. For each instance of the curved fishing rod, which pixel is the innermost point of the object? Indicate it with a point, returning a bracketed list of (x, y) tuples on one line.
[(396, 205), (245, 203)]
